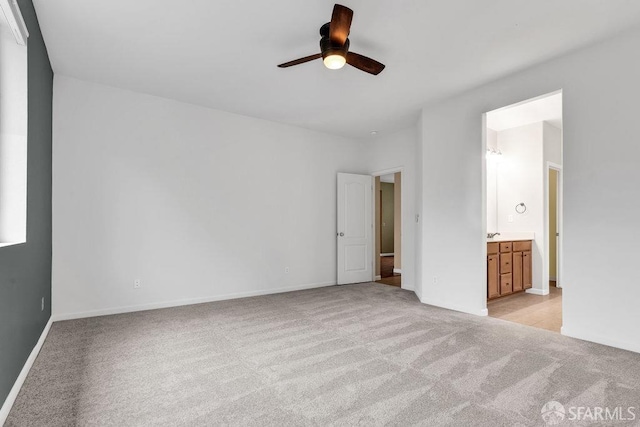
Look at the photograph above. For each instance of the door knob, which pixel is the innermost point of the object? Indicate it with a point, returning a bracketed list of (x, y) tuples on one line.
[(341, 234)]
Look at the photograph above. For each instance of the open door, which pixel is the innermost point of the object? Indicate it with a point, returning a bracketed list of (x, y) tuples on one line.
[(355, 228)]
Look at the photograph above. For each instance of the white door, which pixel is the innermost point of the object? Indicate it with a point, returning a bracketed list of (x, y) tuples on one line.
[(355, 228)]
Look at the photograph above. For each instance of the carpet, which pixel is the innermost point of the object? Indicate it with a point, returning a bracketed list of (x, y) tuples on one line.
[(365, 354)]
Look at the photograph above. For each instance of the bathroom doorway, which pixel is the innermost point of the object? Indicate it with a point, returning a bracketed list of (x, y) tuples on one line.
[(523, 196), (388, 228)]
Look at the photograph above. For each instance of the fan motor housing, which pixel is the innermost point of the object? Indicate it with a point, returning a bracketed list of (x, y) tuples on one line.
[(327, 47)]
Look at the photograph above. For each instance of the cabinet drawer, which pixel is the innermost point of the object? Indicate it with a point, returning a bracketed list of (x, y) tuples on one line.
[(522, 246), (492, 248), (505, 246), (506, 284), (506, 261)]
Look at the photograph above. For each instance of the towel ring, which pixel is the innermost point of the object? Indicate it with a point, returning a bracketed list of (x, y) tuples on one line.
[(521, 208)]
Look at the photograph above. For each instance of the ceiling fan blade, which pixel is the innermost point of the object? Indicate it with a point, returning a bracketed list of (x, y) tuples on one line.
[(340, 24), (363, 63), (301, 60)]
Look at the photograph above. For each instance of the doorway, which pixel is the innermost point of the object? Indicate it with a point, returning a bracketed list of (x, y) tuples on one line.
[(388, 228), (523, 211), (554, 196)]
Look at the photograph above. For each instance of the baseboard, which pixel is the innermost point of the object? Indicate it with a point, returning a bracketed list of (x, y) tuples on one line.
[(177, 303), (553, 279), (387, 254), (454, 307), (600, 339), (377, 278), (13, 394), (537, 291), (397, 271)]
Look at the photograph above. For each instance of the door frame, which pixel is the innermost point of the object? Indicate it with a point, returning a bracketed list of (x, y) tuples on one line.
[(403, 201), (559, 223)]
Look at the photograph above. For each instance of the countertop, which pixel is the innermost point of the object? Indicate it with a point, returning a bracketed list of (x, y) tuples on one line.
[(513, 237)]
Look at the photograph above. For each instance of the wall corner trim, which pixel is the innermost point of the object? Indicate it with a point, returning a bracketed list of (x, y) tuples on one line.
[(535, 291), (599, 339), (454, 307), (13, 394)]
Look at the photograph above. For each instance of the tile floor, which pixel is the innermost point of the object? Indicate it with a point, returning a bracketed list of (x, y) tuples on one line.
[(543, 312)]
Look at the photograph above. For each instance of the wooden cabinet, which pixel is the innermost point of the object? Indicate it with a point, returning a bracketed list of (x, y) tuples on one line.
[(527, 279), (508, 267), (493, 276), (506, 284), (517, 271)]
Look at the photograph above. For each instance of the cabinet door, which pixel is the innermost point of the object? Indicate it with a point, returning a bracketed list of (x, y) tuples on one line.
[(493, 277), (527, 280), (517, 272), (505, 263), (506, 284)]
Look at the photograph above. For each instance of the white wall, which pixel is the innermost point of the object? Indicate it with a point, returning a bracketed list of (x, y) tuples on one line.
[(492, 182), (552, 140), (13, 137), (521, 180), (391, 152), (199, 204), (600, 85)]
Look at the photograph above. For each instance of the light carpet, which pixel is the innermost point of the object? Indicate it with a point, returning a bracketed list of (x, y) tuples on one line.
[(365, 354)]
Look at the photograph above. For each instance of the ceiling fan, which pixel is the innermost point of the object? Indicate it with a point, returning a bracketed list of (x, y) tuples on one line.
[(334, 45)]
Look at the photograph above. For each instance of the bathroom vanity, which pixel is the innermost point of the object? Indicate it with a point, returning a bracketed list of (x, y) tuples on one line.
[(508, 267)]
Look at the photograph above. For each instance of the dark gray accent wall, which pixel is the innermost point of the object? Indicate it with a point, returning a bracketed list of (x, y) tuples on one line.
[(25, 270)]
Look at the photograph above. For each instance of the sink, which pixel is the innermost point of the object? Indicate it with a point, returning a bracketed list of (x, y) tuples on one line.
[(513, 235)]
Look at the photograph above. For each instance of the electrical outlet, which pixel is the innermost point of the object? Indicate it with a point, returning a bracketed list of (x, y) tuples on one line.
[(286, 270), (137, 283), (435, 280), (42, 304), (510, 218)]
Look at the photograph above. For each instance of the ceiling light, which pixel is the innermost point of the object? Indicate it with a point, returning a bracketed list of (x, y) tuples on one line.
[(334, 61), (374, 132)]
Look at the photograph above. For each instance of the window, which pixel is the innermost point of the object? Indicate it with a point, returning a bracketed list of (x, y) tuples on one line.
[(13, 125)]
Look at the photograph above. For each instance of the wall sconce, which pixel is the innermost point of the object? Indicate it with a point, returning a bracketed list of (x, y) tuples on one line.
[(492, 152)]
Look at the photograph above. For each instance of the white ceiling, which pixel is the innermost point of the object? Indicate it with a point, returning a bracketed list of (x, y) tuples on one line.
[(543, 109), (389, 178), (223, 53)]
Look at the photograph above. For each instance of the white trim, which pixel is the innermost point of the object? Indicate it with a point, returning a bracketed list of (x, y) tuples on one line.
[(189, 301), (388, 171), (12, 12), (13, 394), (455, 307), (483, 214), (600, 339), (397, 270), (7, 244), (526, 101), (378, 278), (387, 254), (535, 291), (559, 221)]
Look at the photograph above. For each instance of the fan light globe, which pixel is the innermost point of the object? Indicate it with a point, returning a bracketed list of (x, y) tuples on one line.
[(334, 62)]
